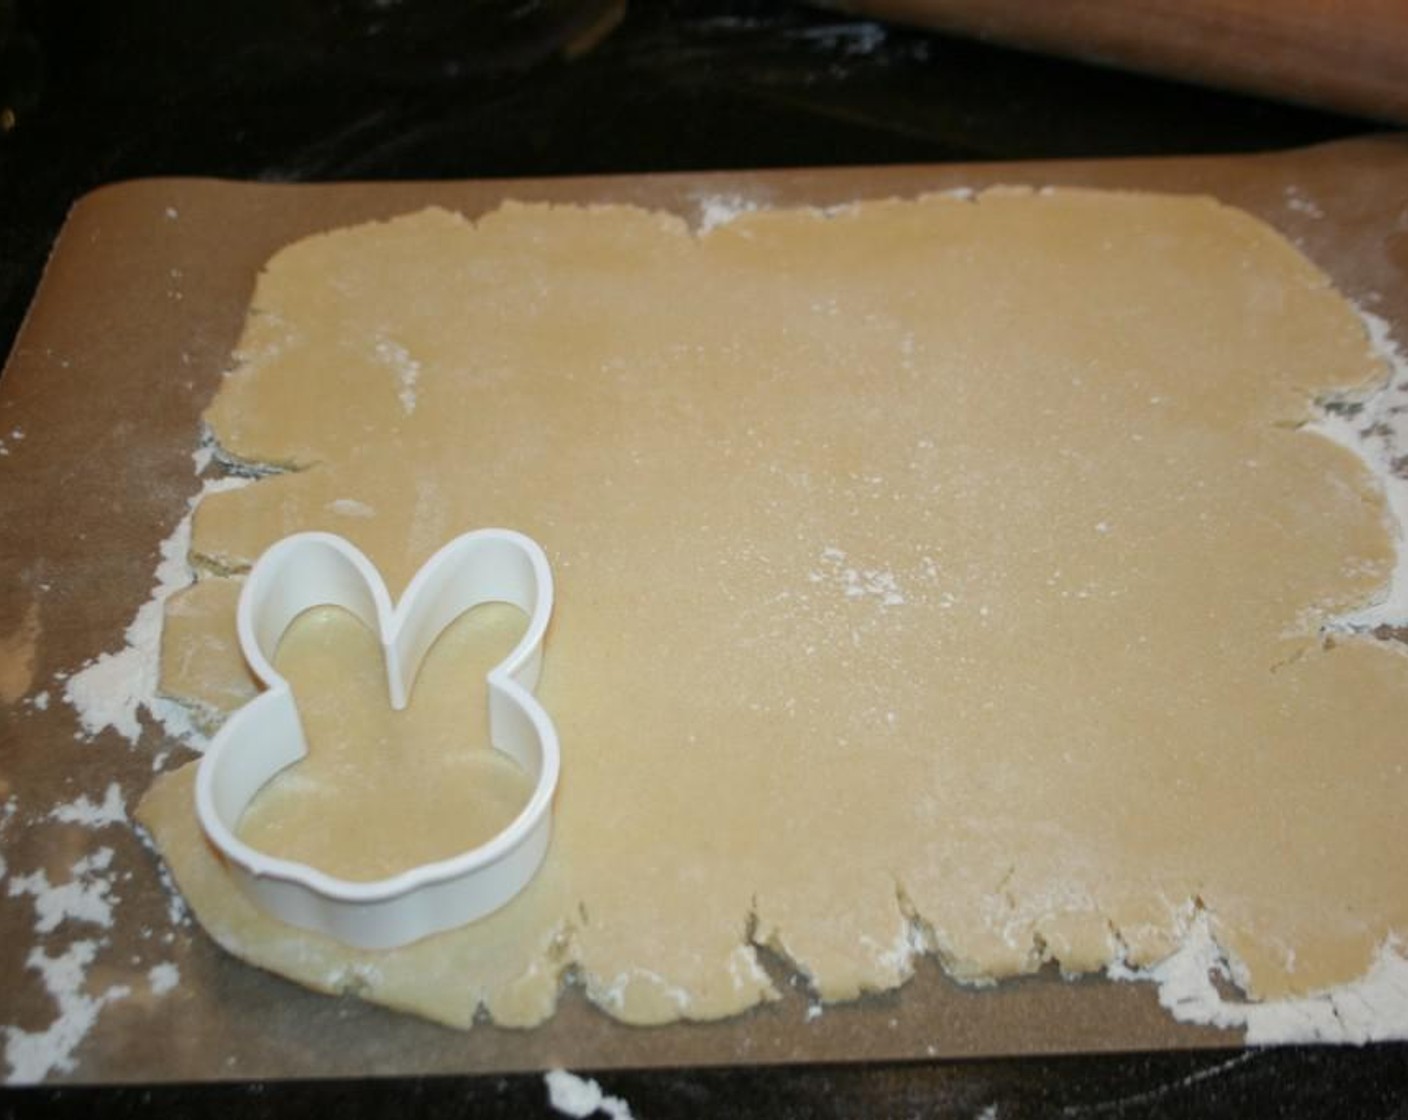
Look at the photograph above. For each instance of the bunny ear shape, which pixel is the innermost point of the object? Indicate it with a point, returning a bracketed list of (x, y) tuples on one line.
[(265, 736)]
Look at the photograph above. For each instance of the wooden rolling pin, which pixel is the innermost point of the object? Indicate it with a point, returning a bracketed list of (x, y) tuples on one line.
[(1350, 55)]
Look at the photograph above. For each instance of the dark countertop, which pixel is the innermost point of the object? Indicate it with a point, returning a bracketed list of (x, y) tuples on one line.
[(289, 90)]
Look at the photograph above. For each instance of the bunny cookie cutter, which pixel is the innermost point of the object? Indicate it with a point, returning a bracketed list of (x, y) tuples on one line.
[(266, 735)]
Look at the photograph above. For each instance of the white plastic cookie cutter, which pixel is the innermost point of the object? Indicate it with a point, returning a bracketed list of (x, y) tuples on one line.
[(266, 735)]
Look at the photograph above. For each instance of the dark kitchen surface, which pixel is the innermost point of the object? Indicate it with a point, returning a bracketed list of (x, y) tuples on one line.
[(380, 89)]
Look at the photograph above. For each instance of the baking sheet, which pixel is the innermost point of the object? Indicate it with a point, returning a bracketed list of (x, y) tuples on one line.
[(99, 414)]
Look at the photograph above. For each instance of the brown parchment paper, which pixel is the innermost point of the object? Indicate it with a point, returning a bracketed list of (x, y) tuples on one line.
[(123, 348)]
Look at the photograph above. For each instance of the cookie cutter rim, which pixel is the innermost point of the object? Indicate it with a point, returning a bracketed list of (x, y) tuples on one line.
[(265, 736)]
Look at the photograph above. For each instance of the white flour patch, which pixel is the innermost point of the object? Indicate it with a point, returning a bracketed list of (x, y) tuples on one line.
[(163, 978), (1373, 430), (1373, 1008), (86, 897), (720, 210), (350, 507), (90, 815), (581, 1096), (40, 701), (112, 690), (404, 368), (7, 814), (33, 1055)]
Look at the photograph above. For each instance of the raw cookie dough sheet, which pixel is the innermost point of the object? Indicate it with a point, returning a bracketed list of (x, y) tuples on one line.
[(144, 300)]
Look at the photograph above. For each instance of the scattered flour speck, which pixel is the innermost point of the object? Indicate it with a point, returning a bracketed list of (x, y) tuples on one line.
[(1301, 203), (163, 978), (858, 583), (176, 912)]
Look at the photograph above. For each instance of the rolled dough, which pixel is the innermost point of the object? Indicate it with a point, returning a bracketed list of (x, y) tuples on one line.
[(946, 575)]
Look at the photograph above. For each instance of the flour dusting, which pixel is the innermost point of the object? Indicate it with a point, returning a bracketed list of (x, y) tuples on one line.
[(85, 899), (878, 584), (582, 1096), (404, 368), (33, 1055), (111, 692), (720, 210), (7, 814), (114, 689), (1373, 1008), (350, 507), (86, 896), (1374, 429), (90, 814)]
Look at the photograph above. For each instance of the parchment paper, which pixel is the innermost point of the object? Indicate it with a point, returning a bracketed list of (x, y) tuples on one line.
[(122, 349)]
